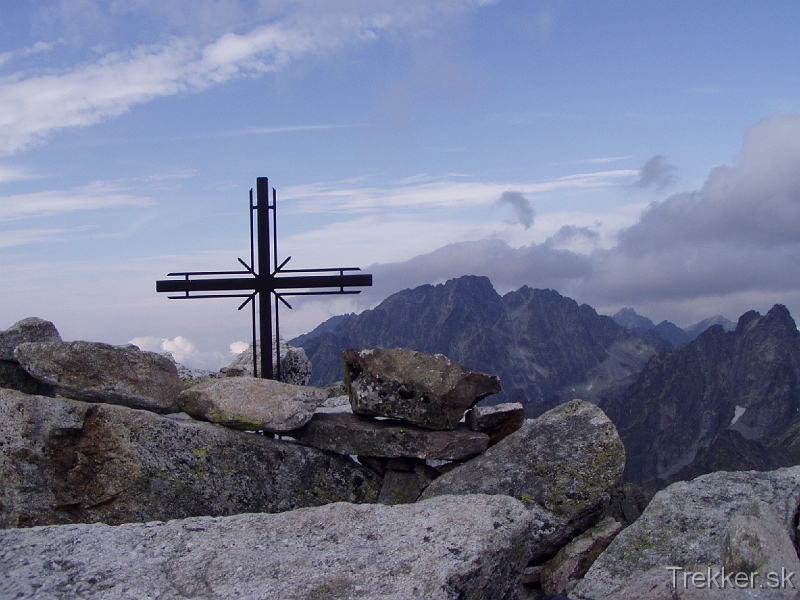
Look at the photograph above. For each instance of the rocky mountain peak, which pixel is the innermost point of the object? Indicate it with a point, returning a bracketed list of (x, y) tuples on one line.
[(747, 320), (745, 381), (628, 317)]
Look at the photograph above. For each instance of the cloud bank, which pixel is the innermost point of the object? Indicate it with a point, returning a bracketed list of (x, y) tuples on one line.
[(738, 236)]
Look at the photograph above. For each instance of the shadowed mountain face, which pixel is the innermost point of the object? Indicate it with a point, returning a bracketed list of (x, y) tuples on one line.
[(726, 400), (541, 344)]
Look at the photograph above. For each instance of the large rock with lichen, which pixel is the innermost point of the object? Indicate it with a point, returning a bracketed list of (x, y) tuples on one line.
[(468, 547), (252, 404), (65, 461), (692, 526), (428, 390), (566, 461), (97, 372)]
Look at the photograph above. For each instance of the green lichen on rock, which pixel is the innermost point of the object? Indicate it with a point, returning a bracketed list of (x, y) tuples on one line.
[(567, 462)]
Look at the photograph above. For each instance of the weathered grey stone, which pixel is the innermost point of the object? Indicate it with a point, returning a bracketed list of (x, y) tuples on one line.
[(566, 461), (403, 486), (191, 377), (96, 372), (337, 389), (685, 526), (429, 390), (32, 329), (757, 541), (335, 404), (252, 404), (295, 366), (468, 547), (496, 421), (346, 433), (560, 574), (65, 461), (532, 575)]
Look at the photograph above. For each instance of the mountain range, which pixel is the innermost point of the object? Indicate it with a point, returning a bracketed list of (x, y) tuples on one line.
[(713, 396), (542, 345)]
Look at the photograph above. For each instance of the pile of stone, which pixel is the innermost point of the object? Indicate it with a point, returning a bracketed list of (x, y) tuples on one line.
[(406, 415), (402, 489)]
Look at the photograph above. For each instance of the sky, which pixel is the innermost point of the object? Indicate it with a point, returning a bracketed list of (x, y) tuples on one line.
[(626, 154)]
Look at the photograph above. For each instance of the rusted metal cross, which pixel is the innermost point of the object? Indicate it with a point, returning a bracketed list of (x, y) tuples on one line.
[(264, 283)]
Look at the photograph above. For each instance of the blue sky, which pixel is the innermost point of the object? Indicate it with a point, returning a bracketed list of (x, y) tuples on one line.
[(623, 153)]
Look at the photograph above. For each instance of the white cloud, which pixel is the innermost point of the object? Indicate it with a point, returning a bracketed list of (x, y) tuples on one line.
[(601, 160), (183, 351), (33, 106), (341, 197), (38, 47), (21, 237), (270, 130), (51, 202), (9, 173), (239, 347)]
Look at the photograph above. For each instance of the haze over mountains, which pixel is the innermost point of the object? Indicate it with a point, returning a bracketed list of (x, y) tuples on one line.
[(628, 318), (686, 401)]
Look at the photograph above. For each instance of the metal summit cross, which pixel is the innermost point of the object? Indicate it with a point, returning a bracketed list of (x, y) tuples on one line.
[(264, 282)]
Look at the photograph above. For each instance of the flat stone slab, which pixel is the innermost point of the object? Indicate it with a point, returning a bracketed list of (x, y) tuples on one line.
[(496, 421), (252, 404), (346, 433), (428, 390), (97, 372), (436, 550)]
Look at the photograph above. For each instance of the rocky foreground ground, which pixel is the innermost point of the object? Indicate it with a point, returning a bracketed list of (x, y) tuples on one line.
[(119, 481)]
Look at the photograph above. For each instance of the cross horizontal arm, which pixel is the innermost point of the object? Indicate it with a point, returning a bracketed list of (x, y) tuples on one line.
[(320, 281), (268, 283), (206, 285)]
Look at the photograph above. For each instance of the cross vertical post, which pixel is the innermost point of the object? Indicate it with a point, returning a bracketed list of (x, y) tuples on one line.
[(265, 276)]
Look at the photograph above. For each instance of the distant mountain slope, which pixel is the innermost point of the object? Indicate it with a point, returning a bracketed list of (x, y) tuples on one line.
[(630, 319), (694, 330), (324, 327), (538, 342), (726, 400)]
